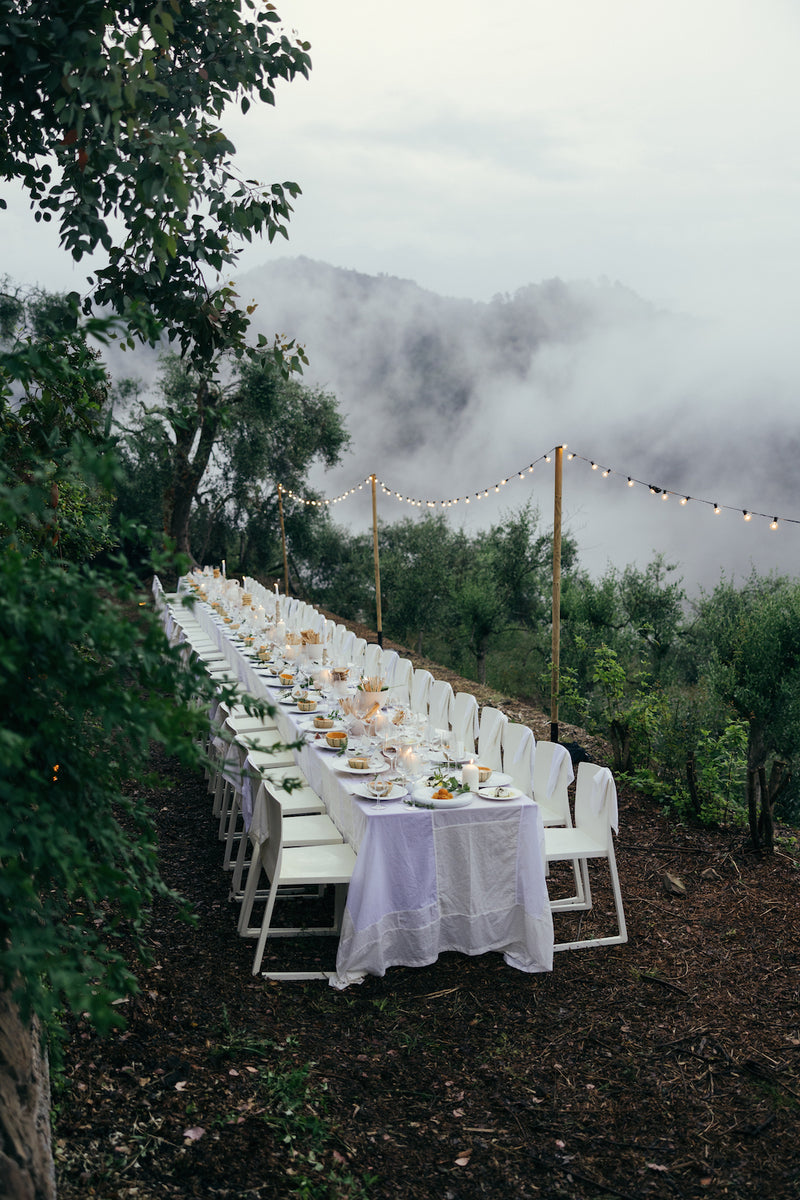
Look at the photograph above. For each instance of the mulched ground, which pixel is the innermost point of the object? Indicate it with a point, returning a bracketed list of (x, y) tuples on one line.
[(667, 1067)]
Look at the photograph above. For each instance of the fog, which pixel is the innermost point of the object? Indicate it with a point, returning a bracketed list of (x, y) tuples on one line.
[(699, 408)]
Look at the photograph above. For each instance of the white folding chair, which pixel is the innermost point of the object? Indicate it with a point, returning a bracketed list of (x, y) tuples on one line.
[(591, 837), (440, 702), (305, 825), (420, 687), (296, 866), (464, 721), (300, 800), (490, 738)]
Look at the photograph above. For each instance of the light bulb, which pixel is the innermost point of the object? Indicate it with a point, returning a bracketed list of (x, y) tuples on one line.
[(717, 510), (774, 524), (630, 482), (746, 514)]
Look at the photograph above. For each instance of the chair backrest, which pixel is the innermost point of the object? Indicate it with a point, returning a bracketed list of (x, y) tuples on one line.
[(552, 775), (271, 849), (402, 681), (420, 687), (372, 659), (440, 701), (343, 654), (387, 665), (490, 738), (519, 747), (595, 801), (357, 655), (464, 720)]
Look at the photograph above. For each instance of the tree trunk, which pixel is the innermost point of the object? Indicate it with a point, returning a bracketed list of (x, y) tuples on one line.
[(756, 758), (188, 470), (26, 1151)]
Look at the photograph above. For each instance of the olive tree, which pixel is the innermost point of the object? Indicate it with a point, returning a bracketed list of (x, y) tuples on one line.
[(752, 639)]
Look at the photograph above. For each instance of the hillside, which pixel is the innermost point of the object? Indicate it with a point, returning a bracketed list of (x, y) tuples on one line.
[(666, 1067)]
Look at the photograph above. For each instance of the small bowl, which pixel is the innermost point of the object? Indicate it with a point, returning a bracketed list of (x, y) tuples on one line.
[(306, 705), (339, 674), (286, 677), (380, 787), (321, 722), (358, 763), (483, 773), (336, 739)]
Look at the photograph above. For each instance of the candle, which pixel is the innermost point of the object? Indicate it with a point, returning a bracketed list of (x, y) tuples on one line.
[(224, 576), (276, 589), (470, 776)]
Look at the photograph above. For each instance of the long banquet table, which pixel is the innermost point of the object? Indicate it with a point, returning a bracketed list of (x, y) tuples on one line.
[(426, 880)]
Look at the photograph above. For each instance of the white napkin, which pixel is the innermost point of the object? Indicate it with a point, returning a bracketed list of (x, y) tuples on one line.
[(604, 791), (560, 753), (521, 765)]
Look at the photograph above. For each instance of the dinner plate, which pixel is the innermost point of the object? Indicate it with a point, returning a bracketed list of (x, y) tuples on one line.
[(362, 789), (344, 766), (440, 760), (497, 779), (424, 795), (508, 793)]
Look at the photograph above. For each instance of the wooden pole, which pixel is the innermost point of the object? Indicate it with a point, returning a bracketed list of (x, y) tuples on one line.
[(555, 654), (283, 541), (379, 617)]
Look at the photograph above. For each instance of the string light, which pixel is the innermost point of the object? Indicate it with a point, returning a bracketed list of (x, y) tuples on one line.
[(654, 489)]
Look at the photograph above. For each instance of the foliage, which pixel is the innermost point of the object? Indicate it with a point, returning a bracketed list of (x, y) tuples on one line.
[(111, 117), (751, 639), (84, 689), (60, 394), (203, 464)]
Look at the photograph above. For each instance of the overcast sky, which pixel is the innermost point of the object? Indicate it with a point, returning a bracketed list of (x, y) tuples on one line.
[(476, 148)]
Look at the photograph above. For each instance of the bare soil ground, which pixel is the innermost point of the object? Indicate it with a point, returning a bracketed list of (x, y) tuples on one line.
[(667, 1067)]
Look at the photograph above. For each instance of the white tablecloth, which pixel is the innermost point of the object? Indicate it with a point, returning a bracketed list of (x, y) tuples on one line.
[(425, 881)]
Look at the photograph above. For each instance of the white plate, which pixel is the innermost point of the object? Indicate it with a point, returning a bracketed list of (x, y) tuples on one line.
[(440, 760), (425, 796), (509, 793), (362, 789), (348, 770), (497, 779)]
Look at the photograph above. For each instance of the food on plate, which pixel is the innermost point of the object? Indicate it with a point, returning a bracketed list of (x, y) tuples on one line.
[(483, 773), (358, 763), (380, 787), (336, 738), (307, 705), (286, 677), (321, 722), (441, 793)]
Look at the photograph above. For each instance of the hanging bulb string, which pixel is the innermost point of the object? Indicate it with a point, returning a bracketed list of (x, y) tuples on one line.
[(683, 498)]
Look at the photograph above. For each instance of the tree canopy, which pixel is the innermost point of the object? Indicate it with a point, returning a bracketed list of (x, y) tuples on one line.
[(111, 117)]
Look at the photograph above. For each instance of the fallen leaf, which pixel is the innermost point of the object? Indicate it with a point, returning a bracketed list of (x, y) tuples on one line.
[(180, 1085), (194, 1134), (657, 1167), (463, 1158)]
